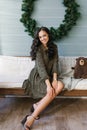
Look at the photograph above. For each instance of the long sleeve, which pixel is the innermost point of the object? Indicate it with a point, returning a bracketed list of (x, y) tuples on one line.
[(55, 63), (41, 66)]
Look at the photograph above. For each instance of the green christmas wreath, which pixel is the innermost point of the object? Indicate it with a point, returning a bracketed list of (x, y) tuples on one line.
[(70, 18)]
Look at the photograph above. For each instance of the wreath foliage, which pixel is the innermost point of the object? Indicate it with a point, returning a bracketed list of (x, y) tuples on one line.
[(70, 18)]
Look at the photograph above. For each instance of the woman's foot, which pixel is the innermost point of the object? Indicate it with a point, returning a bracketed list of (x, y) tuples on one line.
[(24, 120), (29, 121), (34, 106)]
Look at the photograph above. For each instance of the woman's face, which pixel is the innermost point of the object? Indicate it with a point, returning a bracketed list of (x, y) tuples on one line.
[(43, 37)]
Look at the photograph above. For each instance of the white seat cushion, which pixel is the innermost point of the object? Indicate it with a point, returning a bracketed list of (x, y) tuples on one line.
[(14, 70)]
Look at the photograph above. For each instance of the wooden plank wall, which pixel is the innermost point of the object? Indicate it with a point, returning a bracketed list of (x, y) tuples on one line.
[(14, 41)]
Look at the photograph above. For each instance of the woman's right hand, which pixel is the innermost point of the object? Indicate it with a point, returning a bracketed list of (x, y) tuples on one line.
[(50, 91)]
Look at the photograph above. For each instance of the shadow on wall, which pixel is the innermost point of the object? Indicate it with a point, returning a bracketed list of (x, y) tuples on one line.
[(0, 48), (0, 45)]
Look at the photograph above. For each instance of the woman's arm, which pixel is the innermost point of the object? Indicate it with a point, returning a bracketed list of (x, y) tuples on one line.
[(50, 89), (55, 81), (55, 65), (55, 76), (55, 70)]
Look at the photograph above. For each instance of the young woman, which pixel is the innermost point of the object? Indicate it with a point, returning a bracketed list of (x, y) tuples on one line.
[(43, 79)]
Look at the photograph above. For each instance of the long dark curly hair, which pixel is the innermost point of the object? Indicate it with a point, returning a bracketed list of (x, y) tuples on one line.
[(36, 43)]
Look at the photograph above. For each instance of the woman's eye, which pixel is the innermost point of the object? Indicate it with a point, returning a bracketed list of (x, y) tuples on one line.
[(44, 35)]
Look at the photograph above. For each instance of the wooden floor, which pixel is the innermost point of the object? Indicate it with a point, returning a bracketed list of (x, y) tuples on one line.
[(61, 114)]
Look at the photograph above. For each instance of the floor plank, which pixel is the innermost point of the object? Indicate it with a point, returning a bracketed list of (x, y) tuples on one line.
[(61, 114)]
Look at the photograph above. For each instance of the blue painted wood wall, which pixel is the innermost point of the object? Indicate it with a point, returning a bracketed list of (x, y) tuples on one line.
[(14, 41)]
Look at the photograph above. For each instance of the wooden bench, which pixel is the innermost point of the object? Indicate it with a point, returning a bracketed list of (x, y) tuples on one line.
[(20, 92), (11, 67)]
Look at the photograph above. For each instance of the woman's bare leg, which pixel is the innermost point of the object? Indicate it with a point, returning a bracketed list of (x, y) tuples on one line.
[(43, 103), (57, 90)]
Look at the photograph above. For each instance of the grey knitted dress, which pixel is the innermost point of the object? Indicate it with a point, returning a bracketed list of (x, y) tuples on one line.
[(44, 68)]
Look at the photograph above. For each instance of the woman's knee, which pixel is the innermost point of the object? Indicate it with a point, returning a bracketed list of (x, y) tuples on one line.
[(59, 87)]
